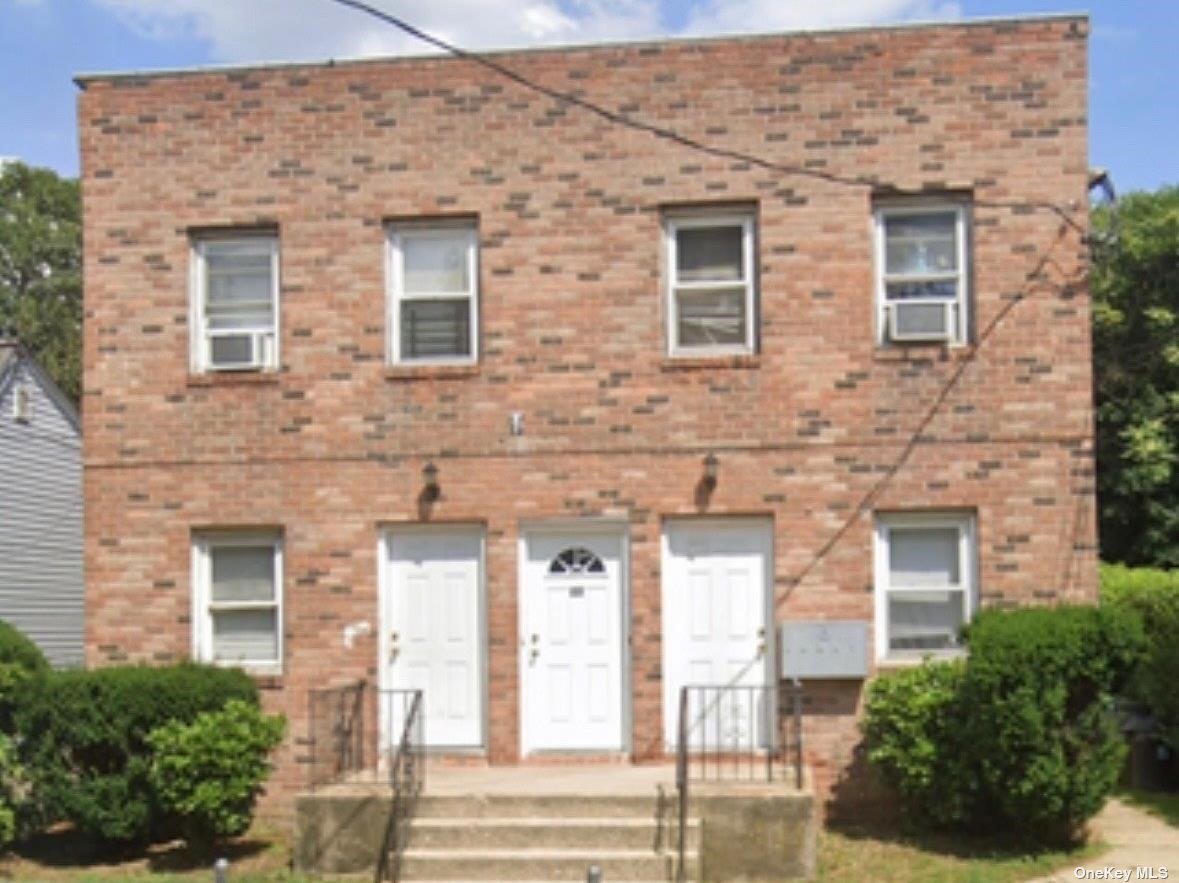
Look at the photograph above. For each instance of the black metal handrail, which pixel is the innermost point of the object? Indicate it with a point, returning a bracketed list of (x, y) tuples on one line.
[(407, 776), (336, 733), (732, 732)]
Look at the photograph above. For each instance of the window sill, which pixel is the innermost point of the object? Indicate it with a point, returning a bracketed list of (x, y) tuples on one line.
[(916, 352), (744, 362), (234, 378), (883, 666), (399, 373)]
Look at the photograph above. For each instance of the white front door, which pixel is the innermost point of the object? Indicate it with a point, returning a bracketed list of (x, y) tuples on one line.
[(715, 614), (571, 640), (432, 625)]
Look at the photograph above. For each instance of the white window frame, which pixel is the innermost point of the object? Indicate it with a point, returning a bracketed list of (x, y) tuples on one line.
[(200, 362), (966, 524), (203, 605), (672, 224), (960, 304), (396, 288)]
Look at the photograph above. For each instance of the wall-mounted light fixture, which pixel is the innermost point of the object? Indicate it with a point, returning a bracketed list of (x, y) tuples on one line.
[(430, 489), (711, 466)]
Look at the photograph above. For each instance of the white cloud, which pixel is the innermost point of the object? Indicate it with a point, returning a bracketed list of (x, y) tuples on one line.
[(256, 30)]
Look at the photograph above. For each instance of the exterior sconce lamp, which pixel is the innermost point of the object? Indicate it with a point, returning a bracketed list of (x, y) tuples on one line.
[(430, 489), (711, 465)]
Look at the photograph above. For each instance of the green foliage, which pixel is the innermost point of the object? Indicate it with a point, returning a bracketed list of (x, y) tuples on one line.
[(84, 739), (1020, 738), (41, 269), (13, 789), (1039, 683), (1153, 596), (1135, 286), (913, 724), (209, 772), (19, 650)]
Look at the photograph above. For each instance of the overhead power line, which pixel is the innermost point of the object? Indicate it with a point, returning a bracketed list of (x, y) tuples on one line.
[(663, 132)]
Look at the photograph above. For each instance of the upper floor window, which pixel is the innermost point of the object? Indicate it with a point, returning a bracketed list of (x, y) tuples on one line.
[(922, 273), (925, 582), (711, 294), (235, 303), (433, 293), (237, 600)]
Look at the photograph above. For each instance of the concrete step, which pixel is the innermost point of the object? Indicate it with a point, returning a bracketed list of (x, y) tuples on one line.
[(537, 864), (522, 832), (554, 806)]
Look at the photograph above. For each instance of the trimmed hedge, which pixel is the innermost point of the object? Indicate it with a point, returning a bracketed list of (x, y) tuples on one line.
[(1018, 738), (1153, 596), (83, 738), (17, 649)]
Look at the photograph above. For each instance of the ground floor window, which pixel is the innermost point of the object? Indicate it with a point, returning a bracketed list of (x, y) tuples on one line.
[(237, 600), (926, 583)]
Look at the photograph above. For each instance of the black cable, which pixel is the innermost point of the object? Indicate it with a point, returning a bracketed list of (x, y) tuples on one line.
[(665, 133)]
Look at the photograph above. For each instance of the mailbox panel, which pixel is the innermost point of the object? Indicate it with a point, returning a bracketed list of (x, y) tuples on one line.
[(824, 649)]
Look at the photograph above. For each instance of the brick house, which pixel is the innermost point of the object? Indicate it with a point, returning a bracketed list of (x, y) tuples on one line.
[(398, 370)]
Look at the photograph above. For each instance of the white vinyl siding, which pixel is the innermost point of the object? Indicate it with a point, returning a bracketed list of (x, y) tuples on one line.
[(237, 601), (235, 294), (922, 273), (711, 292), (926, 584), (433, 293)]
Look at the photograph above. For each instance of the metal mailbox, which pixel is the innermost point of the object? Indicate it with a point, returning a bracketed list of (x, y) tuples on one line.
[(824, 649)]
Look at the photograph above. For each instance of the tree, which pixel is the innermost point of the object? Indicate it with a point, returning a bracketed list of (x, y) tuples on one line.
[(41, 269), (1136, 360)]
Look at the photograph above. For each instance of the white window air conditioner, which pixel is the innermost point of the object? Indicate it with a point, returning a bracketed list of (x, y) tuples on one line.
[(241, 350), (921, 320)]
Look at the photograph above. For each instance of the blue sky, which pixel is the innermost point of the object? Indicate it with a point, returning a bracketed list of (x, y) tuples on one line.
[(1134, 113)]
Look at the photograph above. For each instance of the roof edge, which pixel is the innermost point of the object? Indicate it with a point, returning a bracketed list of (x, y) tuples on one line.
[(85, 78)]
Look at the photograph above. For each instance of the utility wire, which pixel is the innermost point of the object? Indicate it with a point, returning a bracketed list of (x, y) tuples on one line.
[(667, 134)]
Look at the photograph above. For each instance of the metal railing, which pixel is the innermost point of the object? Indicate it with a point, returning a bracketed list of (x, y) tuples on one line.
[(736, 732), (355, 732), (407, 776)]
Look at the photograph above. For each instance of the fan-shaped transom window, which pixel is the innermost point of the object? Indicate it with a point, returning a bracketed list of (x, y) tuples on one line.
[(575, 561)]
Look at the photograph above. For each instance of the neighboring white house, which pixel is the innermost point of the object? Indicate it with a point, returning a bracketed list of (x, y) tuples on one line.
[(41, 588)]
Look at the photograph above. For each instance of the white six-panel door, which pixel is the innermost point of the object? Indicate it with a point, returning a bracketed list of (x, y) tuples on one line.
[(715, 614), (571, 640), (432, 623)]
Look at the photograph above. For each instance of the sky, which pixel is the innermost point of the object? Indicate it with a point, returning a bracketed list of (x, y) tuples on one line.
[(1134, 73)]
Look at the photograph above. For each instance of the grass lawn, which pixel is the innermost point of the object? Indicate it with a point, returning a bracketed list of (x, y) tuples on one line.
[(1164, 804), (883, 856)]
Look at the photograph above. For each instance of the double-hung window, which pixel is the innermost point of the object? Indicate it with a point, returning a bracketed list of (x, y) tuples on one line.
[(433, 293), (235, 303), (711, 288), (925, 582), (922, 273), (237, 600)]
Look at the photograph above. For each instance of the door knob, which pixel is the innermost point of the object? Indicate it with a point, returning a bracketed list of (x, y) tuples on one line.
[(535, 638)]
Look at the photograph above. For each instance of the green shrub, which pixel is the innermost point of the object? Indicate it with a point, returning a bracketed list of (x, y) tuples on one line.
[(913, 723), (209, 772), (13, 789), (1153, 596), (1038, 686), (84, 739), (19, 650), (1019, 738)]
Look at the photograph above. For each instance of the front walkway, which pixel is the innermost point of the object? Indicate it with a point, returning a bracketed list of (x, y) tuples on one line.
[(1136, 840)]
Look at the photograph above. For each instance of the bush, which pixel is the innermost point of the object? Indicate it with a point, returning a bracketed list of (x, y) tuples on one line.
[(209, 772), (12, 791), (1020, 738), (84, 740), (913, 723), (1152, 596), (17, 649)]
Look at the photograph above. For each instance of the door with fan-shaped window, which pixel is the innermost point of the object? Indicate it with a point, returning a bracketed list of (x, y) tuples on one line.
[(571, 641)]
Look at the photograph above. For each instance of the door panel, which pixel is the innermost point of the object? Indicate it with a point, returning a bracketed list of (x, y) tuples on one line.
[(433, 628), (571, 641), (715, 615)]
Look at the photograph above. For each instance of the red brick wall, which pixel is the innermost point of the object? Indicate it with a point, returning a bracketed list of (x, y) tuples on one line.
[(818, 430)]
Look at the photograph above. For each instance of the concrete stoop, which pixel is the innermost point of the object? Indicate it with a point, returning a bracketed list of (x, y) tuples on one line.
[(733, 835)]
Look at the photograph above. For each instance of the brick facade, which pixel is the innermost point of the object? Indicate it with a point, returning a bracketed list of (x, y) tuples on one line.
[(818, 430)]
